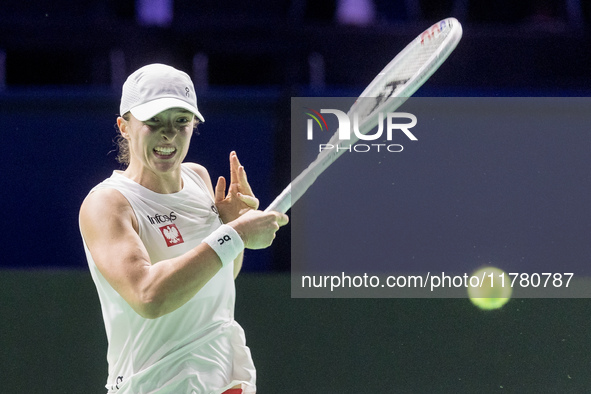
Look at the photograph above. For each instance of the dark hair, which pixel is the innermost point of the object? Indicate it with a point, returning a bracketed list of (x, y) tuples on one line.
[(122, 144)]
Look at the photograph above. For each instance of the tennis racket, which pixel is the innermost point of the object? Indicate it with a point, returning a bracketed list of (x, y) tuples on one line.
[(389, 90)]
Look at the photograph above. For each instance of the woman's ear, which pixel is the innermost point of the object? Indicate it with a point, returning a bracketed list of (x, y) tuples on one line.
[(122, 125)]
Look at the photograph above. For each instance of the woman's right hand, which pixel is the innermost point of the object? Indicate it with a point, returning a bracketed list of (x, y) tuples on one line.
[(257, 228)]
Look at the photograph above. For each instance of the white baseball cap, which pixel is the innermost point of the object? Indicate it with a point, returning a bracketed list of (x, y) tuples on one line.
[(155, 88)]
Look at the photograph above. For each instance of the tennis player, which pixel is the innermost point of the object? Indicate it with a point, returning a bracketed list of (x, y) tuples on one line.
[(164, 249)]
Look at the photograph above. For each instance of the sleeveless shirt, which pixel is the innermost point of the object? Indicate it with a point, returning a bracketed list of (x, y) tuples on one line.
[(198, 348)]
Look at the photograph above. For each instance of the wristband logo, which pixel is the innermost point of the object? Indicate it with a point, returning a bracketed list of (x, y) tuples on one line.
[(224, 239), (171, 234), (348, 129)]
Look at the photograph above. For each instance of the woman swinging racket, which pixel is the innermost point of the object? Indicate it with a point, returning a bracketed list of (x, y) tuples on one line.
[(164, 249)]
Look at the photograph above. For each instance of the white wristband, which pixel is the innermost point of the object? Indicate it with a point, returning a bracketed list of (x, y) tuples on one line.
[(226, 242)]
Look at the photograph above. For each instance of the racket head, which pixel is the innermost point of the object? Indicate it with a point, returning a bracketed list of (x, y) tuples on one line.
[(408, 71), (390, 88)]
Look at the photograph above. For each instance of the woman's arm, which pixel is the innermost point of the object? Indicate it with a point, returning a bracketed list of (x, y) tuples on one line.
[(110, 230)]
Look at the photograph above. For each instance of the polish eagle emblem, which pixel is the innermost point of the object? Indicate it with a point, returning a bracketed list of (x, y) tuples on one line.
[(171, 235)]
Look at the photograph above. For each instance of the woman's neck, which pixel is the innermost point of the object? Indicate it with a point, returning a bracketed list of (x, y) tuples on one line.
[(162, 183)]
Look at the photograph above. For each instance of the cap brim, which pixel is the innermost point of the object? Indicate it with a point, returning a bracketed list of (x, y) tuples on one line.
[(152, 108)]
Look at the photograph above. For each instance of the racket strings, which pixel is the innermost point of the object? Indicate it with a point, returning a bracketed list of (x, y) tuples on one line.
[(398, 78), (407, 67), (390, 89)]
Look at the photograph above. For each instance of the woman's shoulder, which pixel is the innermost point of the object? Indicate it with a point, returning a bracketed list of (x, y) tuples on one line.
[(105, 199), (104, 206)]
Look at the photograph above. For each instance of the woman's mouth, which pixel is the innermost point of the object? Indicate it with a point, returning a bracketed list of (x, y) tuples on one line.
[(164, 152)]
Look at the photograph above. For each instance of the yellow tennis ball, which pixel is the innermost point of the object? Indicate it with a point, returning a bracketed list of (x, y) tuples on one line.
[(491, 290)]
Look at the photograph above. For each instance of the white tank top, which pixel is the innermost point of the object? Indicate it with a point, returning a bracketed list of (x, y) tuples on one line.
[(198, 348)]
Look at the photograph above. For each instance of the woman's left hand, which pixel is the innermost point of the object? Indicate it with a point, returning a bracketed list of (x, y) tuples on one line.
[(240, 198)]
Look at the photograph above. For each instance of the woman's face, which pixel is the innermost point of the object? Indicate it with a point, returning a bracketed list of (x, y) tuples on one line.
[(161, 143)]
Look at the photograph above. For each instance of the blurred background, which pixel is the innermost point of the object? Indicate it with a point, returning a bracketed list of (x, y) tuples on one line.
[(62, 64)]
